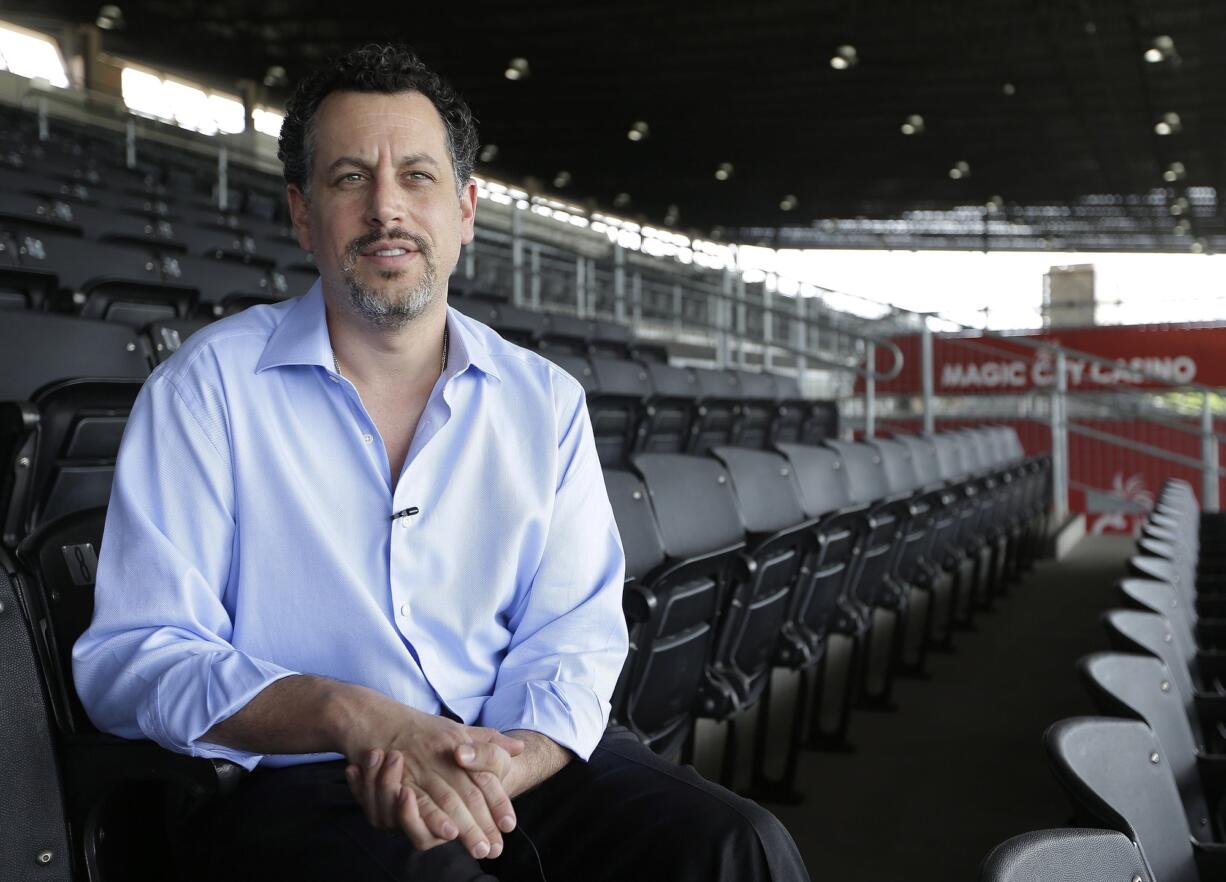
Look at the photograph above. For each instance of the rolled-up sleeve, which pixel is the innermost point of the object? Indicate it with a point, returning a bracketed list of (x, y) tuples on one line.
[(569, 635), (156, 662)]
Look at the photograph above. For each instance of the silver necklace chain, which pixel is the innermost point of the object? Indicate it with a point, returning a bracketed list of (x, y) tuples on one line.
[(443, 367)]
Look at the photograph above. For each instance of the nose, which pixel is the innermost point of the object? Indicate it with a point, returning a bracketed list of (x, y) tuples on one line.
[(386, 201)]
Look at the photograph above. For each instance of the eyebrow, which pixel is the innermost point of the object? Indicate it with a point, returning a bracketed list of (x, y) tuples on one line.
[(411, 159)]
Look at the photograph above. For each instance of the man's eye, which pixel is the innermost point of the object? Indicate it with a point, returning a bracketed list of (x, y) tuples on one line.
[(349, 178), (419, 176)]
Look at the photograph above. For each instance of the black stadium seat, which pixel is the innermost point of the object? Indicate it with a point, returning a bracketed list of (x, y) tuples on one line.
[(717, 411), (1115, 773), (615, 405), (117, 790), (756, 631), (1066, 855), (668, 413), (702, 537)]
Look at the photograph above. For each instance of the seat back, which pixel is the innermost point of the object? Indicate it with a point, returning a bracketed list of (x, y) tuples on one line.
[(37, 349), (1160, 597), (1068, 855), (70, 453), (701, 534), (718, 410), (824, 493), (1118, 776), (865, 470), (1132, 631), (669, 410), (1141, 687), (757, 408), (761, 598), (924, 458), (60, 562), (616, 408)]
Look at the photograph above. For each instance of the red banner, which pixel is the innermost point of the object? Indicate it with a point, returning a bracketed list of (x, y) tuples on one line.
[(1155, 356)]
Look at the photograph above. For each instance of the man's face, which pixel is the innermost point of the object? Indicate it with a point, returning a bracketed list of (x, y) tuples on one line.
[(384, 219)]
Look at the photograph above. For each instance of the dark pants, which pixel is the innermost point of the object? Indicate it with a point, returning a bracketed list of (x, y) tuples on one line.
[(625, 815)]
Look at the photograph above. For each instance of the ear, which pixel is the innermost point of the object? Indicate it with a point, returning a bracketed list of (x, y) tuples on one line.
[(468, 211), (300, 215)]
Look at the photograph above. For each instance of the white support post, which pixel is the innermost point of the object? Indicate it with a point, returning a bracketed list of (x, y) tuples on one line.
[(1059, 439), (802, 340), (741, 329), (534, 280), (636, 302), (677, 327), (723, 318), (926, 377), (129, 143), (580, 287), (768, 329), (1210, 482), (223, 179), (619, 283), (517, 256), (870, 391), (44, 121)]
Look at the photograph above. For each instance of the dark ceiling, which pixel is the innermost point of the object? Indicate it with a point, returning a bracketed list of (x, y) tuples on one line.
[(1050, 104)]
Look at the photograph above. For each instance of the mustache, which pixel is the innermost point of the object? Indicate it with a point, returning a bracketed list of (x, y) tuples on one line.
[(374, 237)]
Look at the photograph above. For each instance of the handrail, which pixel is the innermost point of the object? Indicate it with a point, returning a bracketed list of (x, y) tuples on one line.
[(1140, 447)]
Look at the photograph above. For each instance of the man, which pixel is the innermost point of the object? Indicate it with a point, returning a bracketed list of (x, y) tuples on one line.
[(360, 544)]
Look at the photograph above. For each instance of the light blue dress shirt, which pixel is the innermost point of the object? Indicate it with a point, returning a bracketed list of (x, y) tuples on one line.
[(250, 537)]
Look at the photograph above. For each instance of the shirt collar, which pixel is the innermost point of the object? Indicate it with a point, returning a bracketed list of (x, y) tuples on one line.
[(302, 339)]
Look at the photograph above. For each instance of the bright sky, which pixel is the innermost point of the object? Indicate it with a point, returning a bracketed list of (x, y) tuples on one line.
[(1130, 288)]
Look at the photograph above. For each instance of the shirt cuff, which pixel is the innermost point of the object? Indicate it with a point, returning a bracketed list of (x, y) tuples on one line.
[(196, 694), (569, 714)]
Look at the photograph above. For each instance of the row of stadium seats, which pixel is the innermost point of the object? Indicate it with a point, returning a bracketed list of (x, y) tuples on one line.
[(1151, 770), (740, 558), (68, 383)]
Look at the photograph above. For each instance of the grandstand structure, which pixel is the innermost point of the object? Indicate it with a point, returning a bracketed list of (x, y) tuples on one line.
[(814, 491)]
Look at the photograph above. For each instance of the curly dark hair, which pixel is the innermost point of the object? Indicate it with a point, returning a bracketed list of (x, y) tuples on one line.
[(382, 68)]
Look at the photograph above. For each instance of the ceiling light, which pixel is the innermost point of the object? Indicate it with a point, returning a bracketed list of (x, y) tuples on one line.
[(1198, 246), (956, 174), (517, 69), (845, 57), (621, 200), (276, 77), (1169, 176), (1182, 227), (789, 202), (488, 153), (914, 125), (1009, 89), (638, 131), (110, 18), (961, 169), (1169, 124), (1153, 56), (561, 179), (724, 172), (1179, 168)]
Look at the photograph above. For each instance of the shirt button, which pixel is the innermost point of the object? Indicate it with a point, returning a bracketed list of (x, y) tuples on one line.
[(368, 438), (404, 523), (404, 610)]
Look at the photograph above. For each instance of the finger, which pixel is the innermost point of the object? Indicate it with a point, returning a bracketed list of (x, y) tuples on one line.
[(410, 821), (496, 797), (457, 795), (513, 746), (438, 822), (370, 783), (485, 757), (488, 765), (387, 789)]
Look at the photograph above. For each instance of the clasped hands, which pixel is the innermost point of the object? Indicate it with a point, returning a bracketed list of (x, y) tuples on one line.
[(434, 779)]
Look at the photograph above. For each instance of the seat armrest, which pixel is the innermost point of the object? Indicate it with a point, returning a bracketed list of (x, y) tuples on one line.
[(638, 603), (96, 764)]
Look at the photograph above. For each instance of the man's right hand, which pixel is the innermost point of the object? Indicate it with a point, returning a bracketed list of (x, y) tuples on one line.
[(403, 772)]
